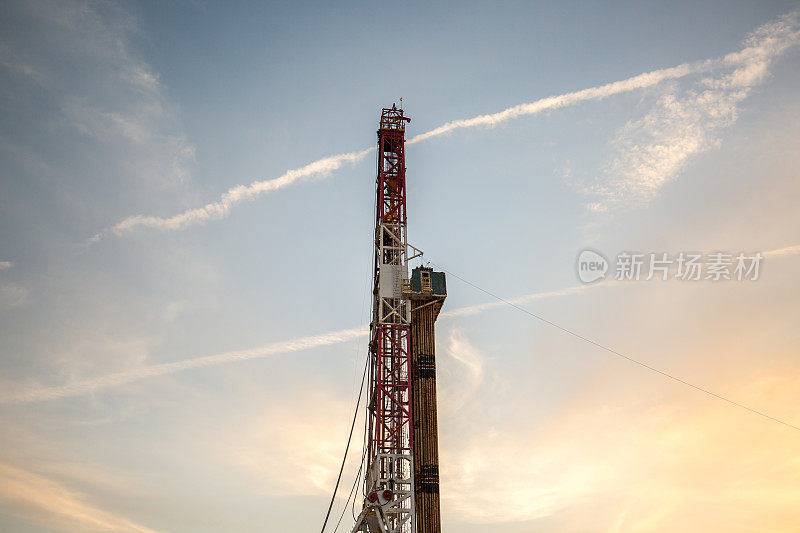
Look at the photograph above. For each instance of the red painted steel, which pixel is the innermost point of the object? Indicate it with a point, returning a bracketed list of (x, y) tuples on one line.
[(390, 371)]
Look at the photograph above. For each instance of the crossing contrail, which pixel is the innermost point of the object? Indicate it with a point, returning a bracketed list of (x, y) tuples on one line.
[(322, 167), (769, 40), (780, 252), (648, 79), (121, 378), (341, 336), (242, 193), (295, 345)]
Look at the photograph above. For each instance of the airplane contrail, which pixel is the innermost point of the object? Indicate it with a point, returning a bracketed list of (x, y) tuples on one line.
[(480, 308), (295, 345), (121, 378), (771, 39), (780, 252), (648, 79), (321, 167), (222, 207)]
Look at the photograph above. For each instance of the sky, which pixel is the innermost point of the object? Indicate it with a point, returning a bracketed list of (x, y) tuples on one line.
[(186, 211)]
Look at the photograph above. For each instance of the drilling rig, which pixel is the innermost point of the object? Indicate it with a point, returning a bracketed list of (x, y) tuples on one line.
[(401, 480)]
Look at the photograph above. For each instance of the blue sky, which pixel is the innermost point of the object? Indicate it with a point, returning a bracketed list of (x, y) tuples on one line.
[(120, 119)]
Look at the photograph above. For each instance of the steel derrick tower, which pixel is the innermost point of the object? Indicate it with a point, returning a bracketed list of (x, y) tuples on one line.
[(401, 480), (389, 475)]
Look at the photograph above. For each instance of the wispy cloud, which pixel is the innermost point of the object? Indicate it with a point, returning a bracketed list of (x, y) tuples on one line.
[(765, 44), (45, 500), (651, 466), (470, 371), (304, 450), (652, 151), (117, 104), (12, 295)]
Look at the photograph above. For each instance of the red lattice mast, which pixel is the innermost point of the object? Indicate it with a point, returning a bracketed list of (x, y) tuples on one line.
[(389, 479)]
